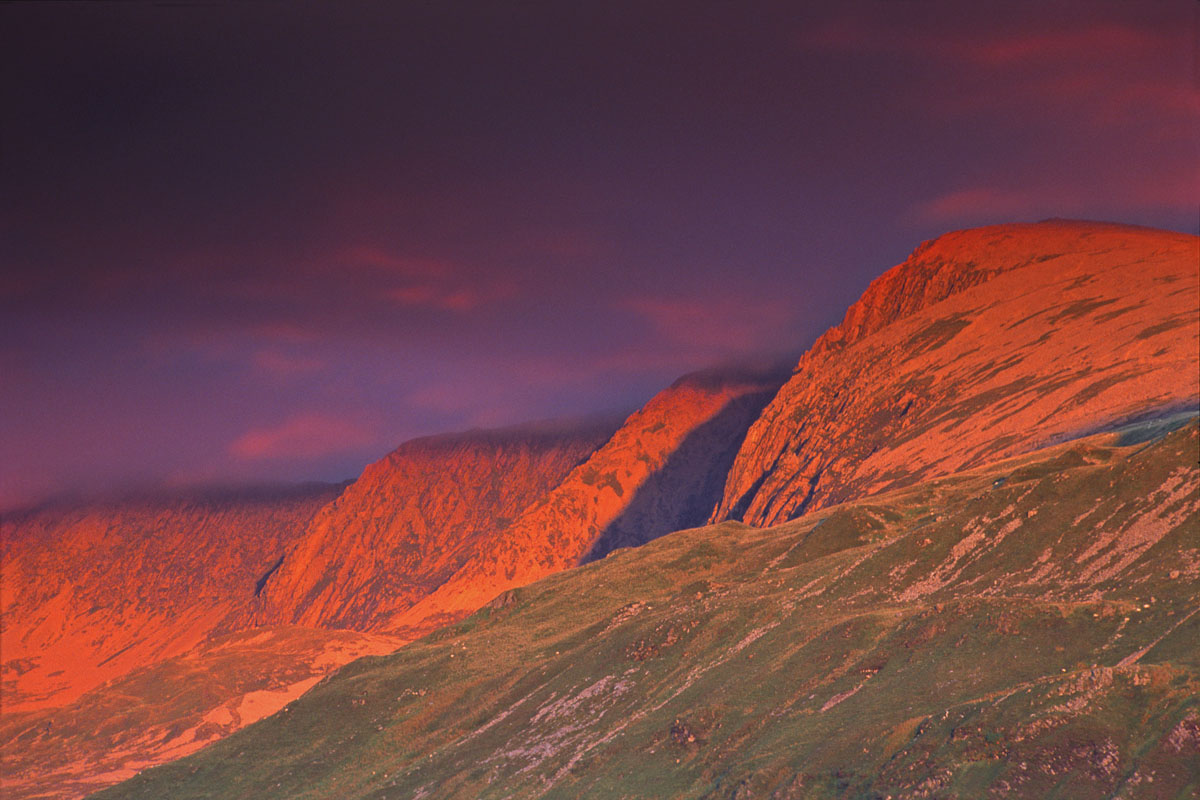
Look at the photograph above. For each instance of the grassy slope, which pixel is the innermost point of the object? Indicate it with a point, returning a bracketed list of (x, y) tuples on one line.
[(1028, 629)]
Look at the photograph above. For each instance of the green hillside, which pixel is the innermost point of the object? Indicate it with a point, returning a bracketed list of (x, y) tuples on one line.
[(1025, 630)]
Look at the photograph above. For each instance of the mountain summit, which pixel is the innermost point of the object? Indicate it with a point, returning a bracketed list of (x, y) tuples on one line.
[(982, 344)]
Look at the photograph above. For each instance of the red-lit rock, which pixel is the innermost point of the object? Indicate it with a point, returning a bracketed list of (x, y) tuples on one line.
[(662, 471), (983, 344), (416, 516)]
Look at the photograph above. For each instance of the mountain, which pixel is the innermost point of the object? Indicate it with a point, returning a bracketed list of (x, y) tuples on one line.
[(169, 708), (414, 517), (982, 344), (912, 462), (661, 471), (94, 590), (129, 631), (1027, 629)]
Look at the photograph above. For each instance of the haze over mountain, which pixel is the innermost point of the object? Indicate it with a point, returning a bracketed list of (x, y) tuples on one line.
[(984, 344)]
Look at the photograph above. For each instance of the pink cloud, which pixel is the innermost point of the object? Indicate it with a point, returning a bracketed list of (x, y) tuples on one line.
[(1099, 42), (1166, 188), (303, 436), (714, 327), (285, 331), (1110, 72), (985, 202), (277, 348), (380, 259), (423, 282), (286, 365), (448, 296), (428, 296)]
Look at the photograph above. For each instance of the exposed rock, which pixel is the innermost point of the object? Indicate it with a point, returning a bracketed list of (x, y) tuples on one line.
[(93, 591), (416, 516), (662, 471), (983, 344), (822, 665)]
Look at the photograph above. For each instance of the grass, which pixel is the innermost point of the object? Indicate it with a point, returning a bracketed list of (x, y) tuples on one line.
[(967, 636)]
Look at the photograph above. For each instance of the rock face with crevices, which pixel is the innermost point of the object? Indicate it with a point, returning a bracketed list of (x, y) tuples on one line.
[(415, 516), (93, 590), (982, 344), (660, 472), (130, 631)]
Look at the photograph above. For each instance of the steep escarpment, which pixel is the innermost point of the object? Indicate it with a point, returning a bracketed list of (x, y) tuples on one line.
[(414, 517), (662, 471), (983, 344), (92, 591)]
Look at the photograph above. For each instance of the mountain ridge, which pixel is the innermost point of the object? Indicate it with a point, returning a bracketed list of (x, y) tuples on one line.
[(413, 517), (1064, 325), (960, 637), (704, 414), (982, 346)]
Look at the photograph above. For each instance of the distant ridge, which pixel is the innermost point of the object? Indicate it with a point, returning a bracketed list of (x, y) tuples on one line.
[(416, 515)]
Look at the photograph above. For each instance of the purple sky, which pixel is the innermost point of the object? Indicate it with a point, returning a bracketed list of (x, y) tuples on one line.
[(270, 241)]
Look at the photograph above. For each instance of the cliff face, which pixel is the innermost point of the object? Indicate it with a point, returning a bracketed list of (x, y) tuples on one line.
[(91, 592), (662, 471), (983, 344), (416, 516)]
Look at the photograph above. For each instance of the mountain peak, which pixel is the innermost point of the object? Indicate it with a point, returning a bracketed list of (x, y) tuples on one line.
[(984, 343), (957, 261)]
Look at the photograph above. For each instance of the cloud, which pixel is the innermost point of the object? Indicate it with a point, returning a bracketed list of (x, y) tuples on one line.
[(1104, 41), (714, 327), (285, 332), (986, 202), (418, 282), (1109, 71), (303, 436), (973, 41), (444, 299), (1166, 189), (373, 258), (281, 364)]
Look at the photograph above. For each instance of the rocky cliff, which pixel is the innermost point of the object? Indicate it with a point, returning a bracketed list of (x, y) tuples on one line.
[(1025, 630), (982, 344), (662, 471), (414, 517), (91, 591)]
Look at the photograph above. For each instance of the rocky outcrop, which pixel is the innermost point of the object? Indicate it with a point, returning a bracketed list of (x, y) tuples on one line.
[(92, 591), (662, 471), (982, 344), (416, 516)]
